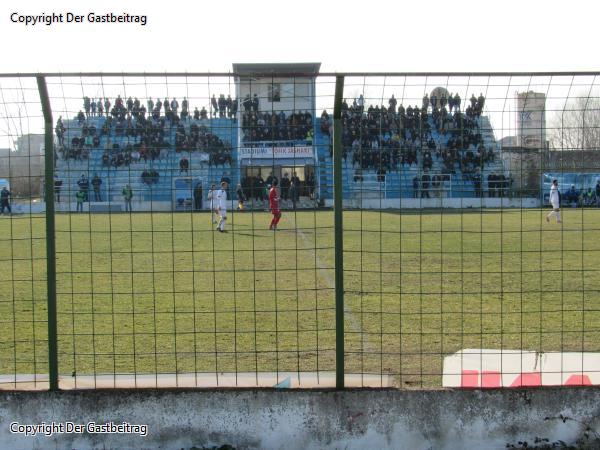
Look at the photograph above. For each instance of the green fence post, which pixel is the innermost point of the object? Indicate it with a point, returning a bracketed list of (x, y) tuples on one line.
[(50, 235), (339, 230)]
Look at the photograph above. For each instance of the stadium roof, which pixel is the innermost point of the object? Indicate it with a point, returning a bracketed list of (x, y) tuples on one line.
[(253, 69)]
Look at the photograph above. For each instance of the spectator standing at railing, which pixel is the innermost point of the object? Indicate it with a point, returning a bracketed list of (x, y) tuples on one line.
[(106, 106), (79, 198), (425, 103), (198, 196), (222, 103), (572, 197), (588, 197), (436, 183), (184, 165), (60, 131), (443, 101), (255, 103), (270, 179), (480, 104), (294, 194), (360, 103), (310, 185), (457, 101), (296, 180), (174, 106), (309, 137), (5, 195), (86, 105), (234, 108), (415, 186), (127, 196), (425, 179), (93, 107), (392, 102), (167, 109), (247, 103), (477, 183), (214, 105), (100, 107), (285, 186), (433, 100), (229, 106), (241, 197), (96, 185), (501, 185), (473, 101), (184, 108), (84, 186), (57, 185)]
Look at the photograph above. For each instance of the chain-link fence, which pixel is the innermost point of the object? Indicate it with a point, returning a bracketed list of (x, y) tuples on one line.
[(272, 227)]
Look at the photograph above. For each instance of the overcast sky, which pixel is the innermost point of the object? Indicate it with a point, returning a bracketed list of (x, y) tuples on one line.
[(360, 36), (373, 35)]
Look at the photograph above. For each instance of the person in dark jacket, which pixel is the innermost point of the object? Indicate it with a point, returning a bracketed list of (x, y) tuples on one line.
[(5, 200), (425, 185), (198, 196)]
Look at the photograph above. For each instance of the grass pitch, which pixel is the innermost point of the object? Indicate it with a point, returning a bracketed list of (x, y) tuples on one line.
[(164, 293)]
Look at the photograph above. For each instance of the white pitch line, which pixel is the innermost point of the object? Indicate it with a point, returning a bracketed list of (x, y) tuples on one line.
[(330, 282)]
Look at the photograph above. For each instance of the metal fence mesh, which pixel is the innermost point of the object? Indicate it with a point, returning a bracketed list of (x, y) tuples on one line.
[(451, 277), (23, 300)]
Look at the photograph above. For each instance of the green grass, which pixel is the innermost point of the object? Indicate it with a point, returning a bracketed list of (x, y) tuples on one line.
[(164, 293)]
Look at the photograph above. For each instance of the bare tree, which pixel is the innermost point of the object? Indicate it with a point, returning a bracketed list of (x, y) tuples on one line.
[(577, 125)]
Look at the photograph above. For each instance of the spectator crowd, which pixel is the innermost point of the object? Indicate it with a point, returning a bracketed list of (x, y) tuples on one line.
[(131, 132), (385, 138)]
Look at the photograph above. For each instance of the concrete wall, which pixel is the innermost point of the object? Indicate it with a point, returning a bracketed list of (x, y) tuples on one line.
[(292, 419)]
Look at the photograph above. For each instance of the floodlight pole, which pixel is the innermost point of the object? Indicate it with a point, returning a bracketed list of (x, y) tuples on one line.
[(50, 234), (339, 232)]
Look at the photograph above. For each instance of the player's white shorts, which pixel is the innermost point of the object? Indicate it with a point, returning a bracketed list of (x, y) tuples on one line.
[(222, 213), (555, 206)]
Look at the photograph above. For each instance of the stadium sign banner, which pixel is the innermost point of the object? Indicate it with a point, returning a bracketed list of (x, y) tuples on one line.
[(275, 152)]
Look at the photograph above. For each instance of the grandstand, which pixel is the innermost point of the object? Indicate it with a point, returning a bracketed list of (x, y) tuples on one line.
[(166, 164), (455, 151), (398, 182)]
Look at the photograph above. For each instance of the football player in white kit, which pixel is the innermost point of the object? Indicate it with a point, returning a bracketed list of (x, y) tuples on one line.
[(555, 201), (221, 206)]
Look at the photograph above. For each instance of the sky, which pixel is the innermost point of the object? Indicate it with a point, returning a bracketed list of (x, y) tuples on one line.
[(374, 35), (349, 36)]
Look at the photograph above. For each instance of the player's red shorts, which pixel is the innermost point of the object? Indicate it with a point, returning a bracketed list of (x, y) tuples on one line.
[(275, 212)]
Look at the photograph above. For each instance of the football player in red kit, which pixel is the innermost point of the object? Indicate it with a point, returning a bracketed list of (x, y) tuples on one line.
[(274, 205)]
